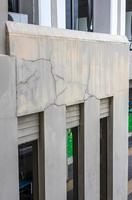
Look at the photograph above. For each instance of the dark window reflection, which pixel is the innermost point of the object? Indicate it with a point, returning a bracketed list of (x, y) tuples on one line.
[(28, 176), (130, 147), (130, 111), (13, 6), (72, 164), (79, 15), (103, 159)]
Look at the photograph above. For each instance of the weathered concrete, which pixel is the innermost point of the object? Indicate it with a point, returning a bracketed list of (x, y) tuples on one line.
[(57, 68), (79, 63), (8, 130), (120, 145)]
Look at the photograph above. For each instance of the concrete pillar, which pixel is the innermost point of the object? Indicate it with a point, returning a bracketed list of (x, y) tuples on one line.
[(120, 146), (3, 19), (92, 149), (8, 131), (55, 152)]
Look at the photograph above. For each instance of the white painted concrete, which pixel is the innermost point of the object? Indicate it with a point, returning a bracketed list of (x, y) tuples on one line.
[(123, 17), (45, 12), (118, 17), (61, 13), (113, 17)]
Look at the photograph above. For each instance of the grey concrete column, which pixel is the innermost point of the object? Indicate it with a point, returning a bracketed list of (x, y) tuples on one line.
[(101, 16), (92, 149), (55, 153), (3, 19), (8, 131), (120, 146)]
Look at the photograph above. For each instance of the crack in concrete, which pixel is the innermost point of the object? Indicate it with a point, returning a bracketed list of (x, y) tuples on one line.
[(27, 79), (57, 77)]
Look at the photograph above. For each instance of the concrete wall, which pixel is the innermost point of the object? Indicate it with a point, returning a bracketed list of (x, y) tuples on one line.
[(8, 130), (94, 70), (57, 68), (3, 19)]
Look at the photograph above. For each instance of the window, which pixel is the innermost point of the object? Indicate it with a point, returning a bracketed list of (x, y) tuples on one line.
[(129, 19), (130, 146), (28, 171), (72, 163), (75, 152), (27, 9), (106, 148), (28, 148), (13, 6), (103, 158), (130, 111), (79, 15)]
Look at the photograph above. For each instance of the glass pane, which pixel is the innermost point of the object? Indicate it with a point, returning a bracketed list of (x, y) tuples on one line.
[(79, 15), (28, 179), (72, 164), (130, 111), (85, 19), (129, 19), (13, 6)]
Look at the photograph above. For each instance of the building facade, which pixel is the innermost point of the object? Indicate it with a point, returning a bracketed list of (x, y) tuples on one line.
[(63, 100)]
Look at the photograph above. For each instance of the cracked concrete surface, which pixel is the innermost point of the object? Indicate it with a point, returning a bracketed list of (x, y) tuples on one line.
[(57, 68)]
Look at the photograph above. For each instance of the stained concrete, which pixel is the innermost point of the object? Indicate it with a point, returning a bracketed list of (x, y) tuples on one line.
[(83, 64)]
